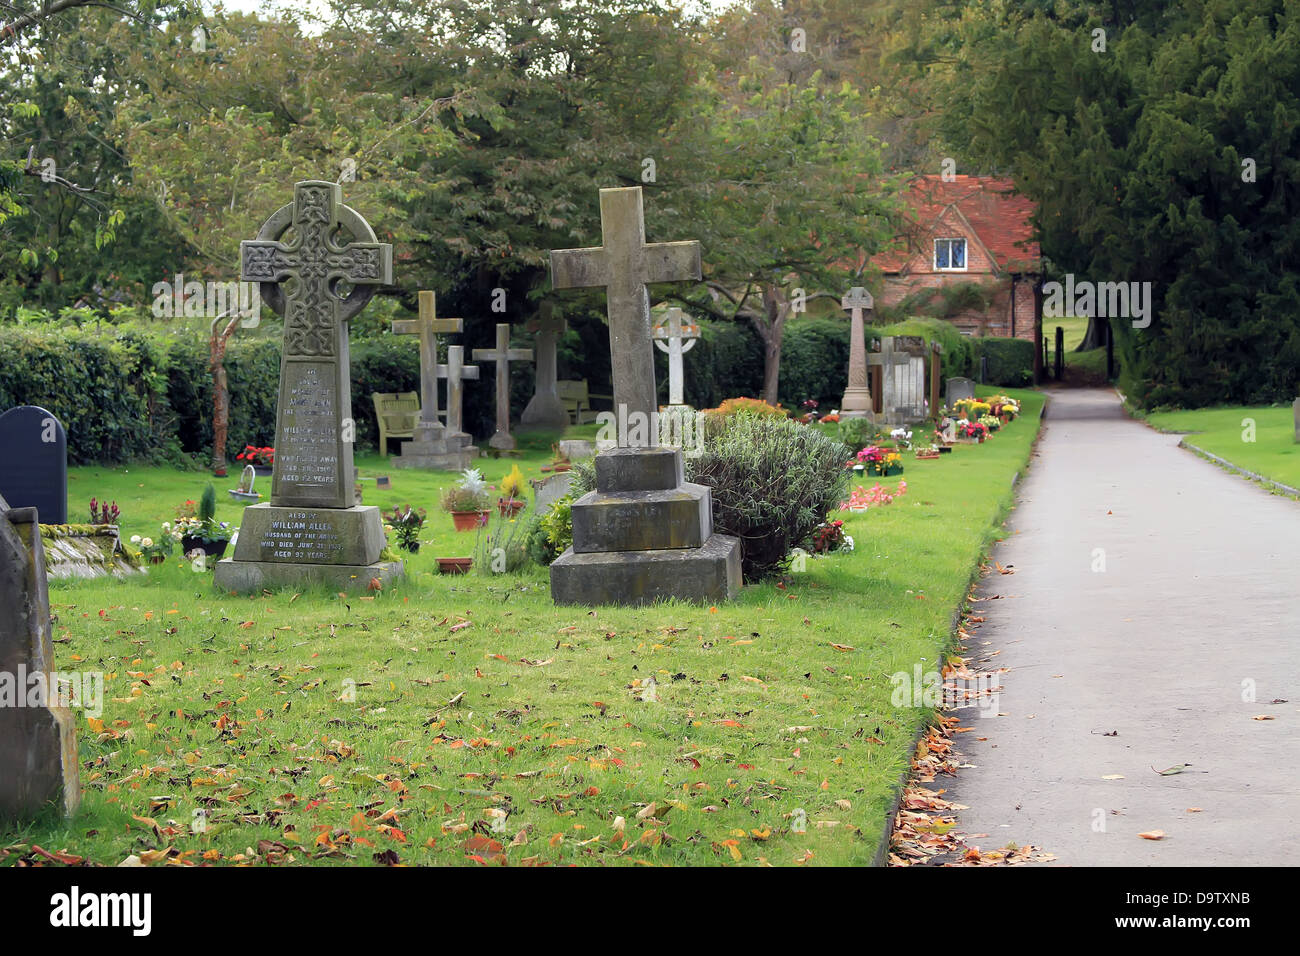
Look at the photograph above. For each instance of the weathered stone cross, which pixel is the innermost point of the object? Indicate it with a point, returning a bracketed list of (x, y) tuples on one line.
[(427, 327), (857, 402), (545, 407), (676, 338), (314, 428), (503, 355), (455, 372), (624, 265)]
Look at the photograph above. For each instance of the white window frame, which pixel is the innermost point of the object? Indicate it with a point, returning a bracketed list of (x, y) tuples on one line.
[(965, 255)]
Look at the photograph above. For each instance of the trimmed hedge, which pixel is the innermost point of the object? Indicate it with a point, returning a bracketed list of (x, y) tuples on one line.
[(1010, 362)]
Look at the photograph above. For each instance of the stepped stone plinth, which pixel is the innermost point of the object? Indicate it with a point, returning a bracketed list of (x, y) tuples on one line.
[(643, 535)]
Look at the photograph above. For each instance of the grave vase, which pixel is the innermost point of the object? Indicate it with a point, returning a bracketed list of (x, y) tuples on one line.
[(469, 520)]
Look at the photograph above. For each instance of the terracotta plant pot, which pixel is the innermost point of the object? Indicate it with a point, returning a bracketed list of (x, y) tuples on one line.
[(509, 507), (454, 565), (469, 520)]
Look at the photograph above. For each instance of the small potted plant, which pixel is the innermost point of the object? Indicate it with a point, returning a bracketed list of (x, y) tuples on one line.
[(467, 501), (202, 531), (931, 451), (262, 459), (157, 550), (406, 525), (512, 500)]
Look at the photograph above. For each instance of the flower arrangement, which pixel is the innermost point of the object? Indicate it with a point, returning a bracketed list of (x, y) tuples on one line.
[(258, 457), (972, 429), (880, 461), (470, 493), (831, 418), (203, 528), (902, 437), (990, 422), (756, 406), (512, 500), (101, 512), (861, 499), (829, 536), (973, 407), (809, 405), (406, 525)]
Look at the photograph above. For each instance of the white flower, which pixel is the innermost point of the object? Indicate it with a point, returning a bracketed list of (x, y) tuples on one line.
[(147, 542), (167, 526), (135, 539), (848, 542)]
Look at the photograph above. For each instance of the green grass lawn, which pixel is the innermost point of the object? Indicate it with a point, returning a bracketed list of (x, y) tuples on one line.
[(1226, 432), (457, 720)]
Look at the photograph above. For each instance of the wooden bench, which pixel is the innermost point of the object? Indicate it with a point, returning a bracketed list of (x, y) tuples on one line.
[(396, 413), (577, 400)]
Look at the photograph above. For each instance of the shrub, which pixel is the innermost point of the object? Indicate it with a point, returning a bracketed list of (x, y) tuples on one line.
[(1010, 362), (755, 406), (773, 483), (859, 432)]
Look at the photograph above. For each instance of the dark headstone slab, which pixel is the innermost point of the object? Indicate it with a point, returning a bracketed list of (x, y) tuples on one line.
[(38, 746), (959, 388), (34, 462)]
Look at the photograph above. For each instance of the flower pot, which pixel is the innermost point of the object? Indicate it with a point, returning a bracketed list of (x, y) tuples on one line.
[(945, 449), (509, 507), (413, 547), (454, 565), (469, 520), (251, 496), (213, 549)]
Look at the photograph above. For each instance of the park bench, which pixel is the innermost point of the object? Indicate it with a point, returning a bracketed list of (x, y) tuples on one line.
[(396, 414), (577, 400)]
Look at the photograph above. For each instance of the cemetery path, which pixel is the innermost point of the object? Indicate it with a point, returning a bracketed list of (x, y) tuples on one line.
[(1147, 664)]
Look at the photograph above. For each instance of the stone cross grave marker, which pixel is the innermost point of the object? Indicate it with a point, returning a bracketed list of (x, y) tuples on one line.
[(503, 355), (624, 265), (432, 446), (675, 337), (34, 463), (645, 533), (857, 401), (38, 745), (456, 372), (311, 529), (544, 409)]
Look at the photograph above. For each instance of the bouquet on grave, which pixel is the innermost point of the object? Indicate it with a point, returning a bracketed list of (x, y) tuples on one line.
[(258, 457)]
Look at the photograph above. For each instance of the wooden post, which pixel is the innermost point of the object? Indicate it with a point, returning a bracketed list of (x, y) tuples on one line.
[(1040, 346), (1110, 351), (1059, 358), (936, 368)]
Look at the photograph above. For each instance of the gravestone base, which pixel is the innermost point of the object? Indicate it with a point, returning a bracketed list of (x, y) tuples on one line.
[(544, 412), (435, 449), (502, 441), (856, 403), (645, 534), (250, 577), (281, 546)]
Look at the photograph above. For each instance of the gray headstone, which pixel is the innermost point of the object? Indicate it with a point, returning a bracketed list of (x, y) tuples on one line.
[(34, 462), (959, 388), (549, 490), (544, 409), (312, 530), (38, 746)]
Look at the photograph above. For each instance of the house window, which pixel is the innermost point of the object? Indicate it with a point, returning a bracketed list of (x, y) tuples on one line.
[(950, 254)]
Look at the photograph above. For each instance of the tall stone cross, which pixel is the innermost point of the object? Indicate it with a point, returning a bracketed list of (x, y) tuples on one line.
[(332, 244), (545, 407), (455, 372), (675, 337), (857, 401), (427, 327), (503, 355), (624, 265)]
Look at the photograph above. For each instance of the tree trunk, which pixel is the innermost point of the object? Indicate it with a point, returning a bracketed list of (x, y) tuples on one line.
[(1095, 337), (220, 392), (771, 329)]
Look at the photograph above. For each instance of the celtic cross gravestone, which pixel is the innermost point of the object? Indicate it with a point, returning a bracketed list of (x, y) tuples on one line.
[(318, 263)]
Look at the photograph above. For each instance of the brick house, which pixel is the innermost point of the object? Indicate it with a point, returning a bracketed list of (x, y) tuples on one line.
[(972, 229)]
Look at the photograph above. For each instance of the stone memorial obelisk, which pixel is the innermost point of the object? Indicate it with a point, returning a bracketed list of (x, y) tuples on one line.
[(38, 742), (856, 402), (645, 533), (544, 409), (432, 446), (503, 355), (311, 531)]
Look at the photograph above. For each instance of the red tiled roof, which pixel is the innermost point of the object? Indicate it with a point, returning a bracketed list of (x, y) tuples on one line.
[(999, 216)]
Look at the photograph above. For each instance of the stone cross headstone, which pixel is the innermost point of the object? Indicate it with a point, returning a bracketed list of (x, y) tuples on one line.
[(645, 533), (503, 355), (38, 745), (676, 337), (34, 462), (456, 372), (544, 409), (624, 265), (432, 446), (311, 530), (857, 400), (959, 388)]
